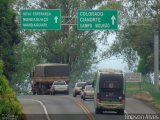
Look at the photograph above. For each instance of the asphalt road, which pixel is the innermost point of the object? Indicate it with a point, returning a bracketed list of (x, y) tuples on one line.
[(63, 107)]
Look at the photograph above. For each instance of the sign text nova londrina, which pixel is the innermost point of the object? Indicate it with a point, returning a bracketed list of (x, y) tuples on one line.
[(47, 19), (97, 19)]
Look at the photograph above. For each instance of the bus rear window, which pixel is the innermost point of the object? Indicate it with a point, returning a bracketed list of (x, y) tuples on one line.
[(110, 85), (111, 82)]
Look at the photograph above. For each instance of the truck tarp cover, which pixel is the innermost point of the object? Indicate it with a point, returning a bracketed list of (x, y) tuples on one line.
[(51, 70)]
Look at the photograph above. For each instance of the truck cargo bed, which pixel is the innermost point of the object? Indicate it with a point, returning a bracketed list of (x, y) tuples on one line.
[(51, 70), (49, 79)]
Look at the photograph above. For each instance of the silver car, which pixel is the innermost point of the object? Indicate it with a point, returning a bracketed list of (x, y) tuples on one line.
[(87, 92), (78, 88)]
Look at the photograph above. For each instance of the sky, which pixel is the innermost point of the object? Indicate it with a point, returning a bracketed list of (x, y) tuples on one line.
[(113, 62)]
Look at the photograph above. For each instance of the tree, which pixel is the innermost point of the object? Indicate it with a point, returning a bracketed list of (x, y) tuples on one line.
[(77, 48), (8, 37), (135, 39), (27, 58)]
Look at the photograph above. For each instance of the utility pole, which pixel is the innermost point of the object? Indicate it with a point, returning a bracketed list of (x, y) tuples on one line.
[(156, 58), (156, 51)]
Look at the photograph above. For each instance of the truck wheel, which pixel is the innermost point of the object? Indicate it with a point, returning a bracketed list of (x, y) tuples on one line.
[(50, 92), (67, 92), (34, 93), (53, 93), (84, 98)]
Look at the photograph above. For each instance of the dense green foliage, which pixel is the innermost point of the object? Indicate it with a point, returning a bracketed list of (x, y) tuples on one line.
[(79, 48), (68, 45), (135, 39), (9, 103), (8, 37)]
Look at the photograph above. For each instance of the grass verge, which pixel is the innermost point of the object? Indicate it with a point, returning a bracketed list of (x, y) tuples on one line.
[(10, 107), (144, 91)]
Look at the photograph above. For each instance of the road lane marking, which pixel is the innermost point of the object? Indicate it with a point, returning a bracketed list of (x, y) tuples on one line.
[(85, 109), (43, 106), (91, 117), (82, 106)]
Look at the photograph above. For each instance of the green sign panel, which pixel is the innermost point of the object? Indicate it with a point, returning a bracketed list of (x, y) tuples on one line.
[(41, 19), (97, 20)]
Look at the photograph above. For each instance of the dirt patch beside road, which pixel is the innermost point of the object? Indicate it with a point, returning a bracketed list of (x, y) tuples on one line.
[(147, 99), (144, 95)]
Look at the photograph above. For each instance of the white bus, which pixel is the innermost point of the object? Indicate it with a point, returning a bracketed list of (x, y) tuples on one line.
[(109, 91)]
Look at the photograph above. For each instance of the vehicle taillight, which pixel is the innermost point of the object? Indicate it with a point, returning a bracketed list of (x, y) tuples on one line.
[(122, 99), (98, 97)]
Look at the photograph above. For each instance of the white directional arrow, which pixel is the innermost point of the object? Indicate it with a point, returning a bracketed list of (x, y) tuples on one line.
[(56, 19), (113, 19)]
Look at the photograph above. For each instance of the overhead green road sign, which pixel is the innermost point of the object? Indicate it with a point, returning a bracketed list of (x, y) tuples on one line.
[(48, 19), (97, 19)]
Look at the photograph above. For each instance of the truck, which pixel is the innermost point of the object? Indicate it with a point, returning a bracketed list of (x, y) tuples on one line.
[(43, 76)]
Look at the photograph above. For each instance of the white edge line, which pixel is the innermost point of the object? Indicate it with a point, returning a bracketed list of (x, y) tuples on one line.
[(43, 106)]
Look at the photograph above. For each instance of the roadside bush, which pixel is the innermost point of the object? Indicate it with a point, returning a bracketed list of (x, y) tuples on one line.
[(151, 89), (9, 103)]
